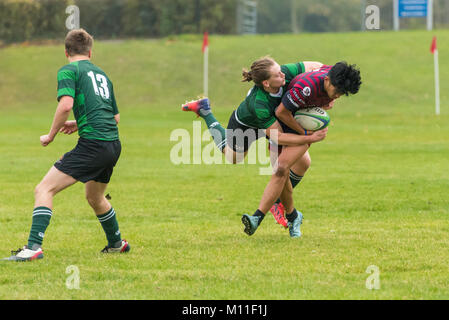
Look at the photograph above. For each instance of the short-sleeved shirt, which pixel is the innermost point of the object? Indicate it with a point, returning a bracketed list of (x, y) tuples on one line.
[(258, 109), (94, 104), (307, 90)]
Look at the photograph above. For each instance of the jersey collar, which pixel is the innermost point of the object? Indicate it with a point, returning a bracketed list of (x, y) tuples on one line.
[(279, 94)]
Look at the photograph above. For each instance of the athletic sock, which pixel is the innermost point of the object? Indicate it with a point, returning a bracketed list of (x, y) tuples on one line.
[(259, 214), (110, 226), (216, 130), (295, 180), (41, 220), (292, 216)]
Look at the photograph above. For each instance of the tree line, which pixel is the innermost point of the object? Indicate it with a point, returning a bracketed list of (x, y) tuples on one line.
[(22, 20)]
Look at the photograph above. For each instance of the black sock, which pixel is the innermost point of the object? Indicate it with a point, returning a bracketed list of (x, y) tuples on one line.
[(259, 214), (292, 216), (295, 179)]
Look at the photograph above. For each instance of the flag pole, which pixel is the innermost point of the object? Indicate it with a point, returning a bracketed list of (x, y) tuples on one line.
[(205, 64), (437, 83), (206, 73), (434, 51)]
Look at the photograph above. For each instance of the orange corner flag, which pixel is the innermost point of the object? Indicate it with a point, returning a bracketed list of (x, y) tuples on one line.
[(205, 41), (433, 47)]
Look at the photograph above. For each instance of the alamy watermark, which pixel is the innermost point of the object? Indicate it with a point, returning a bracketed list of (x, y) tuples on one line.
[(372, 17), (189, 148), (373, 281), (73, 280), (73, 20)]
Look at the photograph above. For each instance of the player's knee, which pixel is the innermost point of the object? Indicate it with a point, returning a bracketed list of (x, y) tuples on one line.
[(301, 167), (42, 189), (94, 200), (37, 191), (307, 163), (282, 170)]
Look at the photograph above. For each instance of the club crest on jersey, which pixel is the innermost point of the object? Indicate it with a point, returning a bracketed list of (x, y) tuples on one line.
[(306, 91)]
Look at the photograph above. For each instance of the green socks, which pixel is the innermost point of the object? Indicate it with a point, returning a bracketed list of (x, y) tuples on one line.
[(216, 130), (41, 220), (110, 226)]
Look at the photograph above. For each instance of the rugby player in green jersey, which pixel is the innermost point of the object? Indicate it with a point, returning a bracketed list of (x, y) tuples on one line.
[(255, 117), (84, 88), (317, 88)]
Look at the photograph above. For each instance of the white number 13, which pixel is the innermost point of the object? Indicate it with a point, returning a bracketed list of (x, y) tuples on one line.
[(103, 90)]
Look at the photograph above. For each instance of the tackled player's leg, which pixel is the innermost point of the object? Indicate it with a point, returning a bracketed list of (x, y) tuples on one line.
[(297, 172), (273, 190)]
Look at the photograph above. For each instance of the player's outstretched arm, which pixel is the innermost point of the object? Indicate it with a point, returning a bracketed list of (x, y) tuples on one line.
[(62, 113), (311, 65)]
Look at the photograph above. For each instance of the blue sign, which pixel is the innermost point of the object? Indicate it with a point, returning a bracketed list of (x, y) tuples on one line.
[(413, 8)]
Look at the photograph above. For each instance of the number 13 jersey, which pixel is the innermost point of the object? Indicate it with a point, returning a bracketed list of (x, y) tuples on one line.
[(94, 102)]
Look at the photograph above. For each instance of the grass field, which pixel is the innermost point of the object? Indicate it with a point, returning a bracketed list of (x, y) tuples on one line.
[(376, 193)]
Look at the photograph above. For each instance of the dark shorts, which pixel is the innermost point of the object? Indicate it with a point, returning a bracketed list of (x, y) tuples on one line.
[(91, 160), (240, 137), (285, 128)]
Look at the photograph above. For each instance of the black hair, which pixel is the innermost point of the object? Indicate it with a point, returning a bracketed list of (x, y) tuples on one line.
[(345, 78)]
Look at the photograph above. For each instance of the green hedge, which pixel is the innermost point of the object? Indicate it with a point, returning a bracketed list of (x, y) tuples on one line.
[(22, 20), (30, 19)]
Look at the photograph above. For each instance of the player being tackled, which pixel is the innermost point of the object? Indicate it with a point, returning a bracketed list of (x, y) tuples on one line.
[(255, 118)]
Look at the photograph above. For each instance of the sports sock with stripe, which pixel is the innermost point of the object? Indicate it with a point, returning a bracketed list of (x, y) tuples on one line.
[(295, 180), (216, 130), (110, 226), (41, 220)]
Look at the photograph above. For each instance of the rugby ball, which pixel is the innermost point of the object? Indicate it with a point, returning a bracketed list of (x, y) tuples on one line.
[(312, 118)]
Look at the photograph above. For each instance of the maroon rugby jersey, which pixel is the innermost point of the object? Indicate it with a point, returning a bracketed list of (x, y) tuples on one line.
[(306, 90)]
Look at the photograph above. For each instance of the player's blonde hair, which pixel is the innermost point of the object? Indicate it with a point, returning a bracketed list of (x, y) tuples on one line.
[(78, 41), (259, 72)]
